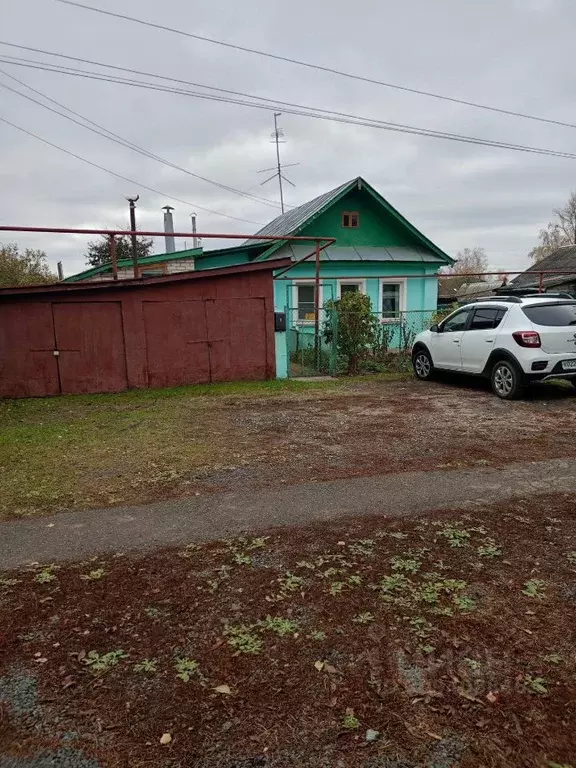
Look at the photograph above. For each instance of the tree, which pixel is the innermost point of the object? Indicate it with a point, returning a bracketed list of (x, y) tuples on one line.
[(98, 252), (471, 261), (560, 231), (26, 268), (357, 327)]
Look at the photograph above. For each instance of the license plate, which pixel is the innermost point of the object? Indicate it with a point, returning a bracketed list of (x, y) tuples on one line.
[(569, 365)]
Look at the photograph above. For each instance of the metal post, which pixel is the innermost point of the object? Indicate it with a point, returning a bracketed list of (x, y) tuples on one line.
[(277, 139), (317, 306), (194, 238), (541, 282), (133, 201), (60, 271), (113, 259)]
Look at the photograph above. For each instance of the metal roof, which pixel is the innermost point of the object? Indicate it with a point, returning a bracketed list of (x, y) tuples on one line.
[(360, 253), (561, 258), (288, 222)]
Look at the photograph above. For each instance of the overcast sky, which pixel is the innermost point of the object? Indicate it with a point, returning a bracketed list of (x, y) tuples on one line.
[(514, 54)]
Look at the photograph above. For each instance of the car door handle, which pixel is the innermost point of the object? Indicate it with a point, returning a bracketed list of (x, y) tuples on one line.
[(488, 341), (456, 341)]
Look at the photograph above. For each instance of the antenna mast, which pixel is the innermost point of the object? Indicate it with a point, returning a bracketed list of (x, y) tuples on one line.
[(278, 138)]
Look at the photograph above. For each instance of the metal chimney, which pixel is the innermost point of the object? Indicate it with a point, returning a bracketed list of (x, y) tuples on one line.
[(60, 271), (169, 229), (195, 240)]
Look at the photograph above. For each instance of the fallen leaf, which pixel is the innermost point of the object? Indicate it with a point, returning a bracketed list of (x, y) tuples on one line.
[(319, 665), (68, 681), (492, 697), (433, 735), (42, 660), (81, 655), (372, 735), (223, 689), (166, 738), (330, 669)]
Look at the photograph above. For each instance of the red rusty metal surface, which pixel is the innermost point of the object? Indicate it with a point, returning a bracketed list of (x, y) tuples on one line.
[(159, 332), (237, 337), (176, 343), (28, 367), (90, 344)]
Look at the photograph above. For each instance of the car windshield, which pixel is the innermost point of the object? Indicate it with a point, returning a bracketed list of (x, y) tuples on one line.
[(552, 314)]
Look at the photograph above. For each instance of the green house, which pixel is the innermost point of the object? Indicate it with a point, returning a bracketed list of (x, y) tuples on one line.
[(377, 251)]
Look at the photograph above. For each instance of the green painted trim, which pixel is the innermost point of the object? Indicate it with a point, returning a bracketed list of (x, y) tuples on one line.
[(361, 184), (153, 259)]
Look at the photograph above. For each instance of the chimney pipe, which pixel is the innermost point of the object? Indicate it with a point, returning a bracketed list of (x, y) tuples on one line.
[(60, 271), (195, 241), (169, 229)]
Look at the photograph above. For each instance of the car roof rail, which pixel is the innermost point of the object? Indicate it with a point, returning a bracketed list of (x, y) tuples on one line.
[(504, 299)]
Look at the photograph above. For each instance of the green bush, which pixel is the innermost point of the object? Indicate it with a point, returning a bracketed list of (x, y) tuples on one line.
[(358, 328)]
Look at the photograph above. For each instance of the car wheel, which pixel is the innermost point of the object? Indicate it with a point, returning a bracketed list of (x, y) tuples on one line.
[(422, 364), (506, 380)]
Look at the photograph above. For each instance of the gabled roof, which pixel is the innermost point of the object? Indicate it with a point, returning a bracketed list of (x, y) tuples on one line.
[(142, 262), (560, 259), (292, 222)]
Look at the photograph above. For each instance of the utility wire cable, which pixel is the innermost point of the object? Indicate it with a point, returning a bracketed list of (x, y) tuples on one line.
[(124, 178), (319, 67), (102, 131), (303, 111)]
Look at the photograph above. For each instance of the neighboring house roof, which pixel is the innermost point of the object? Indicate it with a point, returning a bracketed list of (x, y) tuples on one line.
[(479, 288), (563, 258), (142, 262), (122, 285), (294, 221)]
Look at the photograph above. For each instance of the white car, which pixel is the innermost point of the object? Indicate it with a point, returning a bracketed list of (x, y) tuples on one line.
[(510, 340)]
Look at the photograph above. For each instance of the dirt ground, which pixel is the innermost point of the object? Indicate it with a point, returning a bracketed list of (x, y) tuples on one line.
[(440, 641), (90, 452)]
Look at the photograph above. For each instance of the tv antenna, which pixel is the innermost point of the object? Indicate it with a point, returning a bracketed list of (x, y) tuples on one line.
[(278, 138)]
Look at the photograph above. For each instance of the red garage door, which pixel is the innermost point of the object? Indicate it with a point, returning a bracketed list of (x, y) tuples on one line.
[(90, 343), (28, 367), (176, 342)]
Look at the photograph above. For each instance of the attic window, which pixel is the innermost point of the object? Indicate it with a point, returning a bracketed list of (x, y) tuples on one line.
[(350, 219)]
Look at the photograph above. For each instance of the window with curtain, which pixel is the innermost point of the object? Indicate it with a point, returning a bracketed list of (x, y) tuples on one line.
[(390, 300), (305, 302)]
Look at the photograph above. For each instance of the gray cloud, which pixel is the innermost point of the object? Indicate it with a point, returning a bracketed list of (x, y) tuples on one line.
[(510, 53)]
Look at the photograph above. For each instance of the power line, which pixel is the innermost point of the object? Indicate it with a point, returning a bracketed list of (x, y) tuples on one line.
[(123, 178), (319, 67), (303, 111), (98, 129)]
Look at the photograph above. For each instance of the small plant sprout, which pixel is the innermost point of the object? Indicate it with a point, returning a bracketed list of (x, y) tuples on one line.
[(146, 666), (489, 549), (464, 603), (421, 627), (363, 618), (406, 563), (186, 668), (258, 543), (101, 663), (317, 635), (9, 582), (279, 625), (292, 583), (241, 559), (571, 557), (45, 576), (93, 575), (397, 535), (534, 588), (243, 639), (336, 587), (427, 649), (553, 658), (457, 537), (536, 684), (153, 613), (355, 580), (350, 721), (472, 664)]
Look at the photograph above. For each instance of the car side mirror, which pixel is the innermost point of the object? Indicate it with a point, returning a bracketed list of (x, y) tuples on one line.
[(435, 328)]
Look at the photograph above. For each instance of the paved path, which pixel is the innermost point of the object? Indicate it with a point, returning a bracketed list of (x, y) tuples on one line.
[(75, 535)]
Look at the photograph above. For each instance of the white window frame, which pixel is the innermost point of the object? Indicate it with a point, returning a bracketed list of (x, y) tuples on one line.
[(402, 282), (360, 282), (295, 285)]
